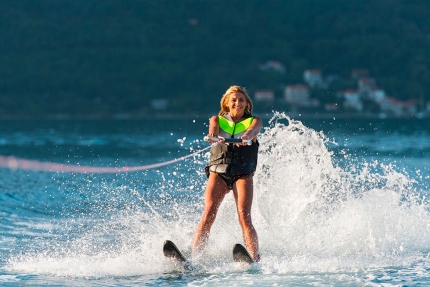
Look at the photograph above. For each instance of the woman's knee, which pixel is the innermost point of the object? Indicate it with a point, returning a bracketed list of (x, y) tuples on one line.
[(244, 218), (209, 215)]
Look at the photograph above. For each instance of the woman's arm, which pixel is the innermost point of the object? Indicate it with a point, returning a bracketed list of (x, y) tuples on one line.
[(253, 131), (213, 127)]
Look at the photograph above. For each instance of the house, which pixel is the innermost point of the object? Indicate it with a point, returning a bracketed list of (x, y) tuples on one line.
[(391, 105), (274, 66), (264, 96), (297, 95), (313, 78), (366, 86), (377, 95), (312, 103), (352, 100), (410, 107), (366, 83), (398, 108)]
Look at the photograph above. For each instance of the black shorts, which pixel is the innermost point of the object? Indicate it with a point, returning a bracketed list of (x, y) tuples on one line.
[(230, 179)]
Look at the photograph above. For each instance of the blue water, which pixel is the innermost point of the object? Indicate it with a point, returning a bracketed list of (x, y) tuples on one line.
[(337, 203)]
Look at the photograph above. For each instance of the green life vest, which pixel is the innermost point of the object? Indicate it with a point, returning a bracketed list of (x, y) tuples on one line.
[(228, 128), (230, 158)]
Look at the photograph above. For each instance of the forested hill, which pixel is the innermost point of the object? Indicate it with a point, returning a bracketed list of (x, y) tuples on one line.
[(110, 56)]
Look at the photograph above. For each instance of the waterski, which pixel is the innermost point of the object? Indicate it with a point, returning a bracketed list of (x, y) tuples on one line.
[(240, 254), (171, 251)]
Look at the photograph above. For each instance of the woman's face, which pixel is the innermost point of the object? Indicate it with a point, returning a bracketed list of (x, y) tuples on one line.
[(237, 103)]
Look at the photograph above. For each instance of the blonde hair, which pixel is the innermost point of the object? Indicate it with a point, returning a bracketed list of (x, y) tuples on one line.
[(235, 89)]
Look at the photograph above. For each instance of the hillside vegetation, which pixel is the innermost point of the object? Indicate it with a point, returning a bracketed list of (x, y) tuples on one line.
[(107, 57)]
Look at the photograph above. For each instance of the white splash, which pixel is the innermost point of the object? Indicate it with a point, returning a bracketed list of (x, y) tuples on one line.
[(311, 214)]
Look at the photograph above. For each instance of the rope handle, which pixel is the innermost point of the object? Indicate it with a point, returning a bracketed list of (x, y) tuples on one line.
[(218, 140)]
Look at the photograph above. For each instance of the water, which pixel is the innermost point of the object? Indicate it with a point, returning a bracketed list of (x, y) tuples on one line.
[(337, 203)]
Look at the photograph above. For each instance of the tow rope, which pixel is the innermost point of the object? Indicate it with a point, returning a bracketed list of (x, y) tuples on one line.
[(15, 163)]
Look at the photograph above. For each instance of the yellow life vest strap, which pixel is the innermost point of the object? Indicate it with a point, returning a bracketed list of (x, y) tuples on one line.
[(233, 128)]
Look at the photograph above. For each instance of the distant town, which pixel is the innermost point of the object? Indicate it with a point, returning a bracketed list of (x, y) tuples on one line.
[(363, 97), (357, 95)]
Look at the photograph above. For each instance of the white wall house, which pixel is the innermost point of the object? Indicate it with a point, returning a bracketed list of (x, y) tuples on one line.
[(264, 96), (296, 95), (352, 100), (313, 78), (366, 86), (273, 65), (410, 107), (377, 95), (398, 108), (391, 105)]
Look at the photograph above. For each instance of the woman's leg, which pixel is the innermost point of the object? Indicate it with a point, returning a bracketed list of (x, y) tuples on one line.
[(243, 194), (216, 189)]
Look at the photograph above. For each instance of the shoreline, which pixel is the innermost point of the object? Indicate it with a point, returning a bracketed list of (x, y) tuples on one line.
[(173, 116)]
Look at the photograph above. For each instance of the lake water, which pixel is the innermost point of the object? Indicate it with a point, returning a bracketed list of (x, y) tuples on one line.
[(337, 203)]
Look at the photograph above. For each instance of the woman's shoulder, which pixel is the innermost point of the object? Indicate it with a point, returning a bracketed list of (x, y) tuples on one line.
[(214, 119), (256, 118)]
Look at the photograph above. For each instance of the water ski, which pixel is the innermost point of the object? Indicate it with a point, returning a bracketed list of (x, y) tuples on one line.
[(171, 251), (240, 254)]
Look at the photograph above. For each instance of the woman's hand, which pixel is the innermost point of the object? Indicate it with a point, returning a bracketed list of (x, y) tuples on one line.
[(244, 137), (212, 138)]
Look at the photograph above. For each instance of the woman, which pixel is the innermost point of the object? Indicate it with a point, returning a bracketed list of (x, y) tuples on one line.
[(231, 167)]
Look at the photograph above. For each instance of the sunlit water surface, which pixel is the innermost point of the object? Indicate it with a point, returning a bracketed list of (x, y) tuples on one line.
[(337, 203)]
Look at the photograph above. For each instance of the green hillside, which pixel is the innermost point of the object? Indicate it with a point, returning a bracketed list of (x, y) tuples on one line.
[(94, 56)]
